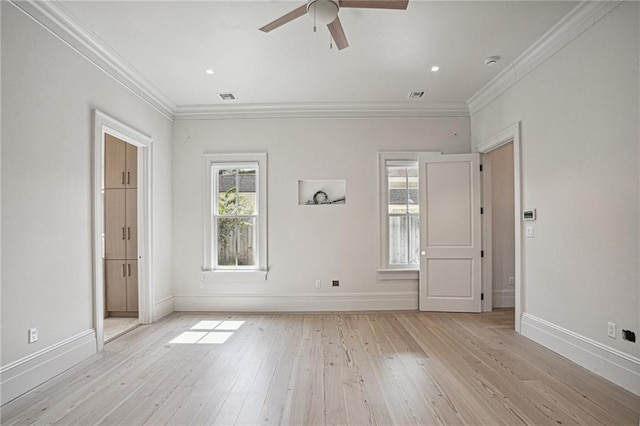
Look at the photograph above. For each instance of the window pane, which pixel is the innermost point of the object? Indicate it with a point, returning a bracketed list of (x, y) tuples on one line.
[(398, 245), (227, 191), (397, 184), (246, 241), (412, 190), (247, 192), (414, 240), (226, 230)]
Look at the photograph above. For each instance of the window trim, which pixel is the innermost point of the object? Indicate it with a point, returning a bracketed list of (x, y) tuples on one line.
[(226, 274), (385, 270)]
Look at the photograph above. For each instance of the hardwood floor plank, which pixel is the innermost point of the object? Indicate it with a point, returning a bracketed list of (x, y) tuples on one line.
[(364, 368)]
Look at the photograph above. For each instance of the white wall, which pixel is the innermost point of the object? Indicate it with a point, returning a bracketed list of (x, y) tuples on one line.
[(48, 93), (502, 225), (306, 243), (581, 170)]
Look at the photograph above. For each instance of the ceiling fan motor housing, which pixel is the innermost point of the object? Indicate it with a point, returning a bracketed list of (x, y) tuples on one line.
[(323, 11)]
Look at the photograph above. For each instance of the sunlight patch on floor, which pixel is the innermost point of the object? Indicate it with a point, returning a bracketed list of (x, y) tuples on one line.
[(208, 332)]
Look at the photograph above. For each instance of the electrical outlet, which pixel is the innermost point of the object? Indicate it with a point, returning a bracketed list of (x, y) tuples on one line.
[(335, 283), (512, 280), (200, 284), (611, 329), (33, 335), (318, 283)]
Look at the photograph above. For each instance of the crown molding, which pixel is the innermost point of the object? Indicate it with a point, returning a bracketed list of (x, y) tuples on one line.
[(318, 110), (578, 20), (55, 18)]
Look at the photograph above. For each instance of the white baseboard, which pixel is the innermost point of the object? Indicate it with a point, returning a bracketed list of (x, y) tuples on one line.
[(612, 364), (504, 298), (299, 302), (33, 370), (163, 307)]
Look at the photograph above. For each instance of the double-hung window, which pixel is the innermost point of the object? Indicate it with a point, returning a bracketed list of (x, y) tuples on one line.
[(403, 214), (235, 217), (400, 214)]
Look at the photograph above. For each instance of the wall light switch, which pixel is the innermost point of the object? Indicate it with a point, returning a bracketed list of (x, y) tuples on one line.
[(33, 335), (530, 232)]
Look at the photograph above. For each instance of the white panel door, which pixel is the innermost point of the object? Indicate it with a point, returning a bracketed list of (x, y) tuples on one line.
[(450, 265)]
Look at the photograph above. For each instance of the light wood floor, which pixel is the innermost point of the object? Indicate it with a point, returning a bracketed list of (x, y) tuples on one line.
[(117, 326), (374, 368)]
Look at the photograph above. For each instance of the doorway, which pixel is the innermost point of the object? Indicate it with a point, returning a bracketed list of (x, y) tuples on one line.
[(510, 135), (122, 229), (120, 236), (499, 227)]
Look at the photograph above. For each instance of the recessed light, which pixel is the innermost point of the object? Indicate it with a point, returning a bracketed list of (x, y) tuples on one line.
[(209, 71), (435, 68), (227, 96)]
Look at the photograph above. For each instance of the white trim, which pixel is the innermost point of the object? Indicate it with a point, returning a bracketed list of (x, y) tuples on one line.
[(233, 159), (318, 110), (578, 20), (234, 275), (26, 373), (512, 134), (54, 17), (614, 365), (503, 298), (313, 302), (487, 230), (103, 124), (163, 307), (398, 274)]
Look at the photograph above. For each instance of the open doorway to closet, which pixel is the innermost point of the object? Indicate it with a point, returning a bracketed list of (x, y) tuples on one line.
[(123, 291), (120, 198)]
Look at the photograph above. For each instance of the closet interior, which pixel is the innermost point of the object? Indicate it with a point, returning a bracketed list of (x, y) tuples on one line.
[(120, 236)]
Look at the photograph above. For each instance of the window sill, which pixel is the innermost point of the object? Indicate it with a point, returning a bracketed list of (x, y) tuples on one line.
[(398, 274), (234, 275)]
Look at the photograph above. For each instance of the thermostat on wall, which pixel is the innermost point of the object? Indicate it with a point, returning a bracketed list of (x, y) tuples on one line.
[(529, 214)]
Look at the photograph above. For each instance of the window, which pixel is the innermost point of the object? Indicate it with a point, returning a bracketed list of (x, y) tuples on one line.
[(403, 214), (400, 214), (235, 217)]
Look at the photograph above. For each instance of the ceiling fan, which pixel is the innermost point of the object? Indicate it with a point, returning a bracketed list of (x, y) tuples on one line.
[(326, 12)]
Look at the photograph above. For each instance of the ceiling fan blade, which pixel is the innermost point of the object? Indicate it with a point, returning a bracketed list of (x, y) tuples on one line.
[(375, 4), (337, 33), (295, 13)]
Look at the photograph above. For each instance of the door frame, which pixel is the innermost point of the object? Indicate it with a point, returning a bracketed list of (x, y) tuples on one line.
[(105, 124), (510, 134)]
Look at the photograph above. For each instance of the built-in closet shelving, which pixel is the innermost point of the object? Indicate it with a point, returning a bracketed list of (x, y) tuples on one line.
[(120, 231)]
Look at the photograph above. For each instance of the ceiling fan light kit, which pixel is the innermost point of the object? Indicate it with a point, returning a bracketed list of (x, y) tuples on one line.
[(322, 12), (326, 12)]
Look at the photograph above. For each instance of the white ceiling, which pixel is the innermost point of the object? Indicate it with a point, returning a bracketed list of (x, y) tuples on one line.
[(172, 43)]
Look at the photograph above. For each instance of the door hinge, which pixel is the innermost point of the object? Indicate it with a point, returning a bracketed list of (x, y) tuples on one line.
[(480, 167), (481, 296), (481, 253), (481, 210)]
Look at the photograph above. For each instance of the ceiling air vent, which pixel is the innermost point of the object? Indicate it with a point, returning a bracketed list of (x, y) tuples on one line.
[(417, 94), (227, 96)]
